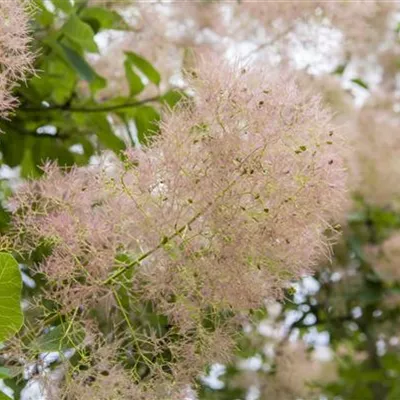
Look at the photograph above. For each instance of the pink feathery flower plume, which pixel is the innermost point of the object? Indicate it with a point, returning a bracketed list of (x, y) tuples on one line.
[(15, 56), (228, 205)]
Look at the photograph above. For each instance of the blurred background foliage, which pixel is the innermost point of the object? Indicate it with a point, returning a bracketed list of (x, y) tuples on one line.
[(64, 117)]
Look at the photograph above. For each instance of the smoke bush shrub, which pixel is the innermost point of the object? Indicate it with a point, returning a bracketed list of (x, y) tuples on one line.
[(160, 257)]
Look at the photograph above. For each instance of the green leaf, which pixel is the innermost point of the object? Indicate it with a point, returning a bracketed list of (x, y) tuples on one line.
[(172, 97), (57, 80), (12, 146), (17, 385), (43, 16), (135, 83), (80, 33), (4, 397), (72, 58), (5, 373), (360, 82), (11, 317), (62, 337), (62, 80), (50, 148), (63, 5), (101, 18), (98, 83), (146, 120), (28, 167), (81, 66), (340, 69), (107, 136), (144, 66), (5, 219), (98, 124)]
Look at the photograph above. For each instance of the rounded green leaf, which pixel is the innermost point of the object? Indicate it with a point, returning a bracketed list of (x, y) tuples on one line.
[(103, 18), (144, 66), (134, 81), (5, 373), (80, 33), (11, 317)]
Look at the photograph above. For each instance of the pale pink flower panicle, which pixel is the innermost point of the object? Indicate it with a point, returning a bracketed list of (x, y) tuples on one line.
[(15, 55), (228, 205)]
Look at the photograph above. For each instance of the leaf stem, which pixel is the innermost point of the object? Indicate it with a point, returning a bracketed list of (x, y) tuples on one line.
[(164, 241)]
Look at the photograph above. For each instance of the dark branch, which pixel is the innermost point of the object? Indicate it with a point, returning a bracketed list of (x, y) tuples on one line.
[(91, 109)]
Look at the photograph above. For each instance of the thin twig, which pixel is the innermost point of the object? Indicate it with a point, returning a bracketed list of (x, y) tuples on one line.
[(91, 109)]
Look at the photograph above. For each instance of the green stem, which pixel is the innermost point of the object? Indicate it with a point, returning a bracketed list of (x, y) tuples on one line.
[(164, 241)]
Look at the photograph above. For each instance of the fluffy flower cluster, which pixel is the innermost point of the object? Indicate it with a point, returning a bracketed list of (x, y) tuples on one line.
[(230, 203), (15, 57)]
